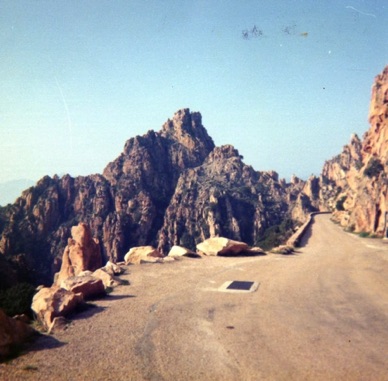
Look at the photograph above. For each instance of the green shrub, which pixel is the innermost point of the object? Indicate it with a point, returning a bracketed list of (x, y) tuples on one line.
[(374, 168), (340, 203), (358, 164), (275, 235), (187, 241), (17, 299)]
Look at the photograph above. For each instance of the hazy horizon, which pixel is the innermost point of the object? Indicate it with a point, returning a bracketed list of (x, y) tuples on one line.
[(285, 82)]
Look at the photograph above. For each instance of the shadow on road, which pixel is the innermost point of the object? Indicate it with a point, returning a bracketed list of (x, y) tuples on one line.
[(40, 342), (84, 311), (119, 297), (243, 254)]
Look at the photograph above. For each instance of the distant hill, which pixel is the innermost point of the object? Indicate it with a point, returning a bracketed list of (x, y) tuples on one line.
[(11, 190)]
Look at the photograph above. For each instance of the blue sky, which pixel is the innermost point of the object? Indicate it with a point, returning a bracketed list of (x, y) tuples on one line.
[(285, 82)]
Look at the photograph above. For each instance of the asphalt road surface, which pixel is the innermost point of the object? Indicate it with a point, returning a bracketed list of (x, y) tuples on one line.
[(321, 314)]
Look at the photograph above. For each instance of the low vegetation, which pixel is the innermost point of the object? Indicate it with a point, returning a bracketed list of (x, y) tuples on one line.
[(17, 300), (340, 203), (276, 235), (374, 168)]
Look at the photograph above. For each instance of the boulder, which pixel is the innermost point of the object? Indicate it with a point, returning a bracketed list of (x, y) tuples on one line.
[(107, 279), (59, 324), (283, 249), (222, 246), (113, 268), (89, 286), (179, 251), (142, 254), (151, 260), (49, 303), (81, 253), (255, 251), (13, 332), (168, 259)]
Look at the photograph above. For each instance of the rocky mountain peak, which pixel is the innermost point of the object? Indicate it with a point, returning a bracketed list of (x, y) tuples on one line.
[(186, 128), (174, 187)]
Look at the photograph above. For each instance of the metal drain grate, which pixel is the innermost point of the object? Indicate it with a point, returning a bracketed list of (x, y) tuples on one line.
[(239, 286)]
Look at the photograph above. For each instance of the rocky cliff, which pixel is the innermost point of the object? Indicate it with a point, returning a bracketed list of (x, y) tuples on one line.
[(168, 187), (225, 197), (174, 187), (354, 184)]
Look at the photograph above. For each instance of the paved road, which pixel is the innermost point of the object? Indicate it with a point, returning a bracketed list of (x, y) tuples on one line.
[(321, 314)]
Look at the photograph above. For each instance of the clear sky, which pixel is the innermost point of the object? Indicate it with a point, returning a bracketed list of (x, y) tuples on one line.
[(286, 82)]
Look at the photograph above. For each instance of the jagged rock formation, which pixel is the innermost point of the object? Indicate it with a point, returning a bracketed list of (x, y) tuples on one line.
[(171, 187), (53, 302), (140, 254), (36, 228), (354, 184), (81, 253), (174, 187), (144, 177), (224, 197)]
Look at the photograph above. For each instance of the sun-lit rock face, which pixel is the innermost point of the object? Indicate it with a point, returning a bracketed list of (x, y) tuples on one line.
[(376, 139), (167, 188), (81, 253), (221, 246), (137, 255), (53, 302), (355, 183)]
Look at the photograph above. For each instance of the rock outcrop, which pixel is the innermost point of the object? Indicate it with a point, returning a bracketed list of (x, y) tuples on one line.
[(175, 188), (166, 188), (13, 332), (88, 286), (354, 184), (81, 253), (53, 302), (142, 254), (179, 251), (225, 197), (222, 246)]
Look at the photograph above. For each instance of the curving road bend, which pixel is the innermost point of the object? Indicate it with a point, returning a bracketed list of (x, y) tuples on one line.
[(321, 314)]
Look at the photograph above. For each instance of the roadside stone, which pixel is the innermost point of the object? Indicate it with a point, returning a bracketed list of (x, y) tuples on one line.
[(142, 254), (283, 249), (179, 251), (151, 260), (107, 279), (113, 268), (89, 286), (59, 323), (256, 251), (168, 259), (49, 303), (81, 253), (222, 246)]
